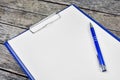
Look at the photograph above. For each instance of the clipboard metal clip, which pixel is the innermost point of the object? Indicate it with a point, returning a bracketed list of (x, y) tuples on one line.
[(43, 23)]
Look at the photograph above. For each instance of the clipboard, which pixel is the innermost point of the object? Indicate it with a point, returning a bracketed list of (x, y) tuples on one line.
[(60, 47)]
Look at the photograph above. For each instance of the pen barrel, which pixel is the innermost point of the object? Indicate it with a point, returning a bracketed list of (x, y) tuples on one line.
[(99, 53)]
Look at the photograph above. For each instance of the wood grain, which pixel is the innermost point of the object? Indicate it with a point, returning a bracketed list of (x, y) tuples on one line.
[(9, 76), (33, 6), (26, 19), (109, 21), (18, 18), (7, 32), (106, 6), (7, 62)]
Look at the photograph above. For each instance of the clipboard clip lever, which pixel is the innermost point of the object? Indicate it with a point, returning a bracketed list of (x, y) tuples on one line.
[(43, 23)]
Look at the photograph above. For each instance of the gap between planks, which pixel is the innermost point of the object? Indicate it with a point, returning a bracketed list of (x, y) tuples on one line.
[(66, 4), (13, 72), (23, 26), (58, 4)]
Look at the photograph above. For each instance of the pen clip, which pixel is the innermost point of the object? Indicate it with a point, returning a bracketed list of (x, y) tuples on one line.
[(43, 23)]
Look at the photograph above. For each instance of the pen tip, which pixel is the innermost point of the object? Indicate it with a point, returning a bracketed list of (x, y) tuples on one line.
[(103, 68), (91, 25)]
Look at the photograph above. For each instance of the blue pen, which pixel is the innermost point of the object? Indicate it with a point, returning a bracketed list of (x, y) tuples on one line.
[(99, 53)]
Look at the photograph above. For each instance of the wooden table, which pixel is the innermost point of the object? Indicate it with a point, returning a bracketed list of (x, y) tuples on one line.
[(18, 15)]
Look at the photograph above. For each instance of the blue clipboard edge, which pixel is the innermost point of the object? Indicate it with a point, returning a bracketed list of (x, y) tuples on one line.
[(97, 23), (26, 71)]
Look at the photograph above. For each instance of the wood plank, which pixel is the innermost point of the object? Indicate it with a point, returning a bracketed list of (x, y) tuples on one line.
[(109, 21), (25, 19), (33, 6), (7, 62), (98, 5), (106, 6), (7, 32), (18, 18), (9, 76)]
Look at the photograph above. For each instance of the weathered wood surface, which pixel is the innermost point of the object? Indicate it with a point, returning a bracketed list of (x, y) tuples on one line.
[(17, 15), (106, 6), (28, 15), (4, 75), (7, 61), (7, 32), (34, 6)]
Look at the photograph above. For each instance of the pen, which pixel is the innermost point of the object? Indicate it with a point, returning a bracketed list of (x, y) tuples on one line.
[(99, 53)]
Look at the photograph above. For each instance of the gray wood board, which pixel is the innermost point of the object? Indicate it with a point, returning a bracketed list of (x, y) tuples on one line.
[(25, 18), (7, 62), (18, 18), (7, 32), (9, 76), (106, 6), (34, 6)]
